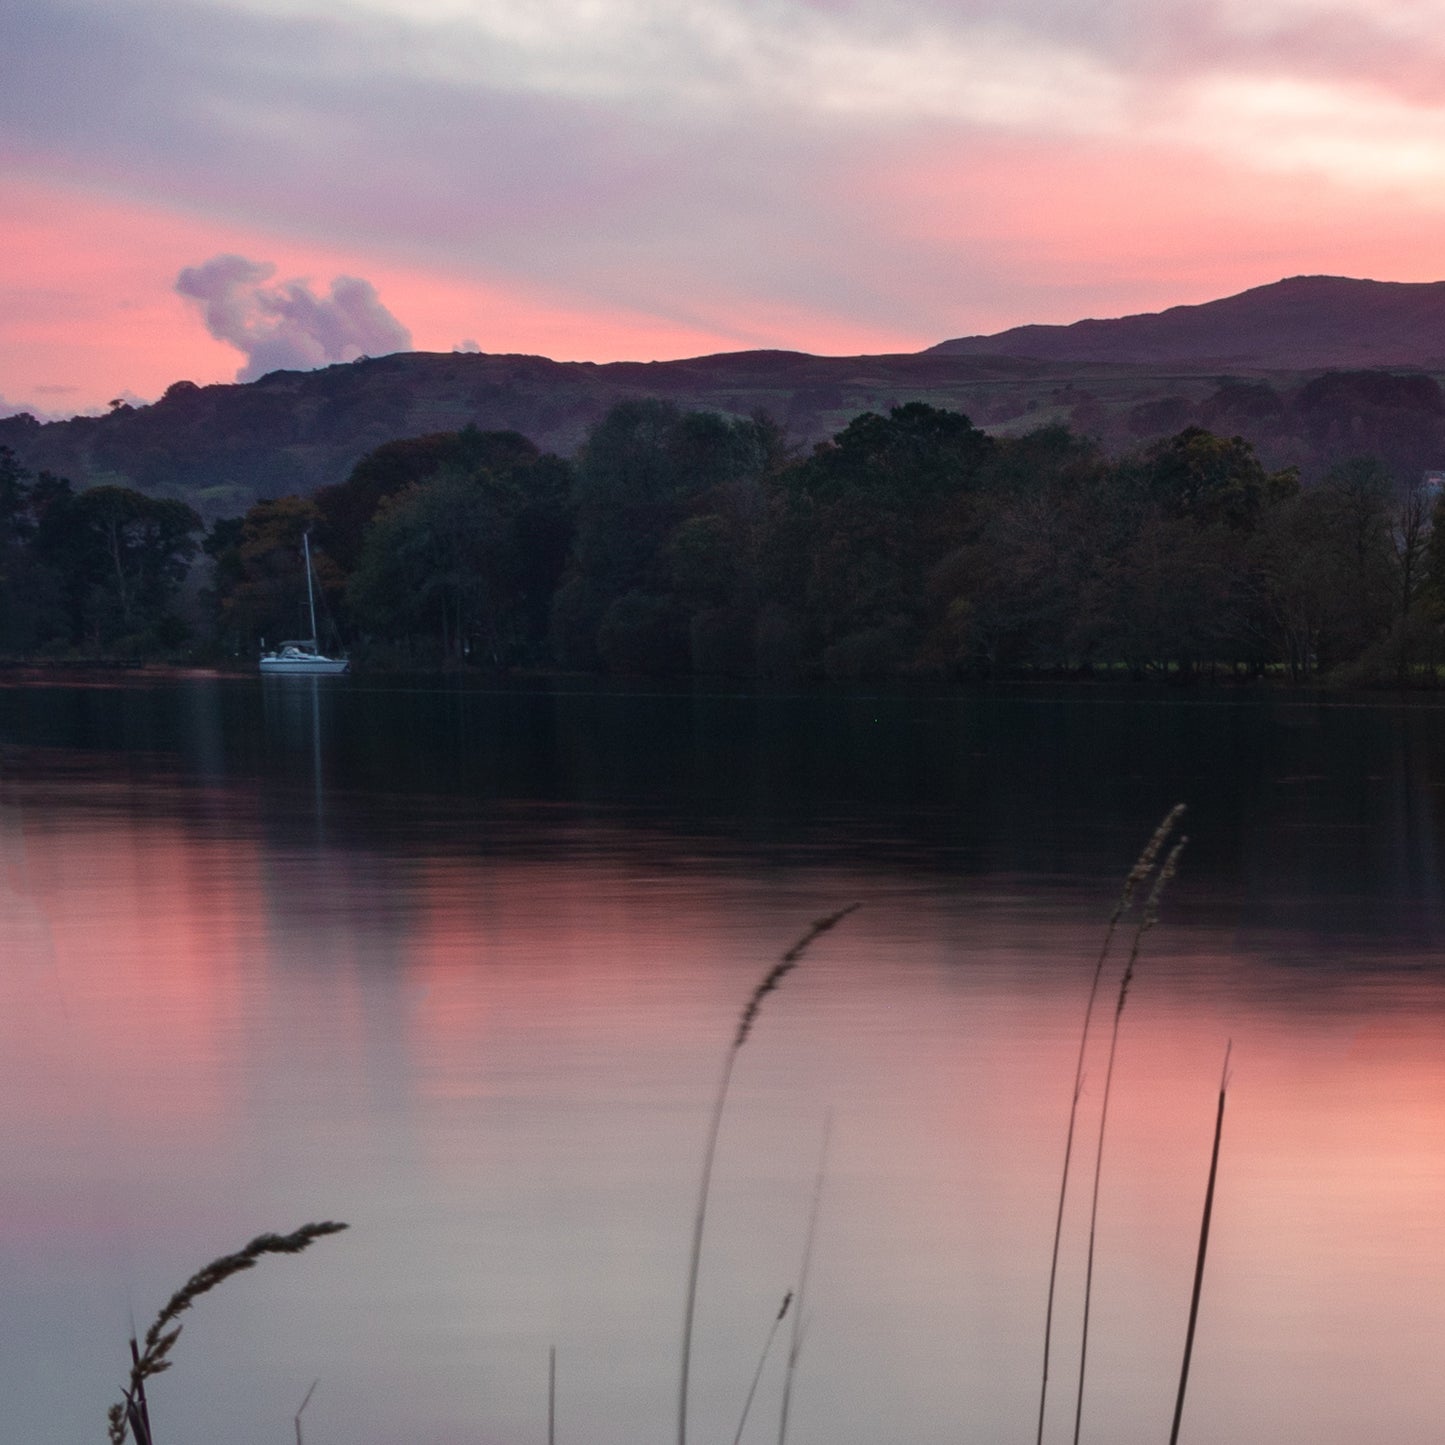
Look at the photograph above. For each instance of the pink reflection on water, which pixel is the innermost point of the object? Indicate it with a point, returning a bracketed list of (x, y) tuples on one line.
[(134, 940), (500, 1066)]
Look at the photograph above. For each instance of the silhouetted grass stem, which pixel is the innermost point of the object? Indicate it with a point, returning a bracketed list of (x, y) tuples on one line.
[(1148, 919), (302, 1410), (746, 1019), (795, 1344), (1203, 1250), (552, 1396), (1138, 874), (762, 1360)]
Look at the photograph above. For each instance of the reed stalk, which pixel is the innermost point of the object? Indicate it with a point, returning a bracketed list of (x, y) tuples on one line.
[(299, 1413), (762, 1360), (795, 1344), (770, 981), (131, 1413), (137, 1410), (1147, 921), (1138, 875), (1203, 1250)]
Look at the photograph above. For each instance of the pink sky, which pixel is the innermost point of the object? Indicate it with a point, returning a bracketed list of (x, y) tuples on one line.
[(640, 179)]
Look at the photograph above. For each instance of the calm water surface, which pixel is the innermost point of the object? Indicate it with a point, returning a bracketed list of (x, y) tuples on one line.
[(458, 966)]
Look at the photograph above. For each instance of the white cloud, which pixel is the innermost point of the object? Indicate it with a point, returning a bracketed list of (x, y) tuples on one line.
[(288, 326), (1353, 134), (728, 58), (1272, 83)]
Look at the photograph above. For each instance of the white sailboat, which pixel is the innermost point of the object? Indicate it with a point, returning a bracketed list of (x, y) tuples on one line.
[(302, 657)]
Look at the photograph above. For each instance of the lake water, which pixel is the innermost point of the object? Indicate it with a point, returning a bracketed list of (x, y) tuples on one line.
[(459, 967)]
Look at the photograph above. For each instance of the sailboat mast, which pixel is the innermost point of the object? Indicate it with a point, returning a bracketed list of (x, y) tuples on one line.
[(310, 596)]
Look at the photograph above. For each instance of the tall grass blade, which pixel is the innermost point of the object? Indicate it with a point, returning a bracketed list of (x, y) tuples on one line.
[(1138, 875), (746, 1019), (795, 1344), (1203, 1250), (1147, 921), (762, 1360)]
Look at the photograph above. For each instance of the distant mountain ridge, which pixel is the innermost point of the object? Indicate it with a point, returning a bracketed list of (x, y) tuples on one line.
[(1301, 323), (221, 446), (1236, 364)]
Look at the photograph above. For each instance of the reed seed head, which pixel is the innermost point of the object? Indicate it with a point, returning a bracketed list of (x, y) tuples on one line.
[(1161, 882), (1149, 918), (1144, 865), (782, 968), (159, 1340)]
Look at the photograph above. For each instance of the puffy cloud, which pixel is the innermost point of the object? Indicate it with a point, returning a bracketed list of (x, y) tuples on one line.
[(288, 326)]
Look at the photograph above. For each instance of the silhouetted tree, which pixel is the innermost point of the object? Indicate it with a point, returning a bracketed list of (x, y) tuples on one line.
[(440, 559), (666, 503)]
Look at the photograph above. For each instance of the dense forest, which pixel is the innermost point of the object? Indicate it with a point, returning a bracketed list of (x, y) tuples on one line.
[(912, 544)]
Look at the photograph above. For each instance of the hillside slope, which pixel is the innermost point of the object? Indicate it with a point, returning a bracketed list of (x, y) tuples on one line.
[(1243, 364), (1297, 324), (220, 447)]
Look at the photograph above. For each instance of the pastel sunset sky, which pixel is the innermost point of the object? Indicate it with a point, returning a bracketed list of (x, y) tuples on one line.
[(210, 188)]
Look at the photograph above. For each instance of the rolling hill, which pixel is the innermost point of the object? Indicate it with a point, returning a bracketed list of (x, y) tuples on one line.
[(1242, 364), (1302, 323)]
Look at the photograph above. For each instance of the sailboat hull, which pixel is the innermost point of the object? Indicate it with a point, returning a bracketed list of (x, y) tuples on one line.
[(279, 665)]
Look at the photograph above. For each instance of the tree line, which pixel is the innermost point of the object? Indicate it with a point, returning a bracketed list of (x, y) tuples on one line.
[(94, 572), (911, 544)]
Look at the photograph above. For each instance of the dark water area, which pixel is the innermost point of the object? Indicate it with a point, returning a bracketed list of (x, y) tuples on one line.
[(457, 964), (1304, 808)]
